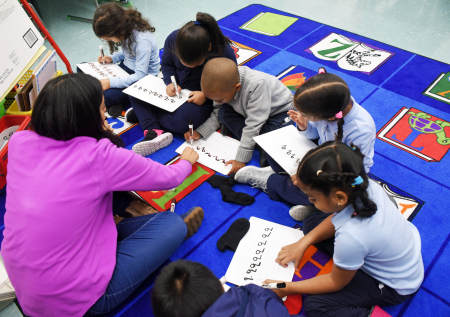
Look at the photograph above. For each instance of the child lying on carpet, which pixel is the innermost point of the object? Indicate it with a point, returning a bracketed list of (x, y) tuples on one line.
[(185, 53), (248, 103), (190, 289), (327, 111), (376, 252)]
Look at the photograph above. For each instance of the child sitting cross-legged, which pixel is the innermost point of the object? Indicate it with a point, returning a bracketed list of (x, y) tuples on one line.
[(248, 103), (190, 289)]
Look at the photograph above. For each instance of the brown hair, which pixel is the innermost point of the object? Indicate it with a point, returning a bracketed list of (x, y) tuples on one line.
[(323, 96), (111, 20), (193, 39)]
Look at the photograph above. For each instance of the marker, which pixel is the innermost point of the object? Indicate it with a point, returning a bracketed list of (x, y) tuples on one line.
[(274, 285), (174, 82), (172, 205), (102, 53), (286, 120), (191, 130)]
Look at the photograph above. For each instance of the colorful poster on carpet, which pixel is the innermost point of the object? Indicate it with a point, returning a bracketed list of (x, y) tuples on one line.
[(440, 88), (268, 23), (243, 53), (119, 124), (161, 200), (294, 76), (418, 133), (350, 54)]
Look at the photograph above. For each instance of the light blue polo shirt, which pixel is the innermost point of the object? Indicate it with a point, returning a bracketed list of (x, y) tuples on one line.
[(144, 60), (359, 129), (385, 246)]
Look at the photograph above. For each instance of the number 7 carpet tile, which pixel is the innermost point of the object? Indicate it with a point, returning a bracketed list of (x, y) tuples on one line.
[(408, 96)]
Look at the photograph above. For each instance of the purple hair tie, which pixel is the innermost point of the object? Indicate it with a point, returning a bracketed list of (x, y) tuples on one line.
[(197, 23)]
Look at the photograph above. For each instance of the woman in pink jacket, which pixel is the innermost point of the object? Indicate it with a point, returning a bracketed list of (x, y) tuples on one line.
[(62, 250)]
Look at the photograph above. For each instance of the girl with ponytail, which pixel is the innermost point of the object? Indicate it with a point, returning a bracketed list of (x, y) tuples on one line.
[(376, 252), (186, 51), (325, 111)]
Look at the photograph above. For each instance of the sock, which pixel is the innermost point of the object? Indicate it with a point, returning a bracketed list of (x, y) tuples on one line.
[(234, 234), (217, 180), (158, 132), (229, 195)]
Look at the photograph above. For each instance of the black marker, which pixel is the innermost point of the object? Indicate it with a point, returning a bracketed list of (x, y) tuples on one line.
[(274, 285), (191, 131)]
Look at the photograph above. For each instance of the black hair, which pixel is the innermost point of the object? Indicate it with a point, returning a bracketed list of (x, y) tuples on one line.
[(185, 289), (334, 164), (193, 40), (323, 96), (111, 20), (68, 107)]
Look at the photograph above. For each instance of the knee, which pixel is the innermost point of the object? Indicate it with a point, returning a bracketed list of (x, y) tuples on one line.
[(308, 225), (174, 224), (314, 305)]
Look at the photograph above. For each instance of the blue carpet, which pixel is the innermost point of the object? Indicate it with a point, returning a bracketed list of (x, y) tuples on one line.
[(413, 164)]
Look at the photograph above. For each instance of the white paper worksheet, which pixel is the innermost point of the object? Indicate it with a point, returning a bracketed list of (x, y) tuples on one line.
[(152, 90), (100, 71), (214, 152), (254, 259), (286, 146)]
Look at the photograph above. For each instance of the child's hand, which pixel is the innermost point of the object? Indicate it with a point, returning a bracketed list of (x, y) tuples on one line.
[(291, 252), (197, 97), (294, 179), (107, 127), (170, 90), (189, 155), (281, 292), (105, 84), (236, 166), (196, 136), (106, 59), (301, 121)]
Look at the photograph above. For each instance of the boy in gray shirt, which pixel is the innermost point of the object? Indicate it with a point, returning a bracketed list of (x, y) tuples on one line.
[(248, 102)]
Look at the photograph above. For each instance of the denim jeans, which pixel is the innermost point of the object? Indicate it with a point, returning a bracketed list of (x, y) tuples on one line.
[(144, 243), (115, 96)]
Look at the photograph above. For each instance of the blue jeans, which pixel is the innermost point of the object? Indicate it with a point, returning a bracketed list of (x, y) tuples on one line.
[(115, 96), (144, 243), (151, 117)]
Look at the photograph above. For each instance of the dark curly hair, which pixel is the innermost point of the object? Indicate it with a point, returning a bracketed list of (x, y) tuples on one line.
[(323, 96), (339, 164), (111, 20)]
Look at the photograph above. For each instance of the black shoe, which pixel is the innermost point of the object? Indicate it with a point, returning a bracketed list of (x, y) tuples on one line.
[(225, 131), (152, 142), (130, 116), (263, 158), (115, 111)]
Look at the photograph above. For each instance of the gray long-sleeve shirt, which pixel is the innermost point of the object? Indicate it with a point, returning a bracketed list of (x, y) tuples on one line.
[(261, 96)]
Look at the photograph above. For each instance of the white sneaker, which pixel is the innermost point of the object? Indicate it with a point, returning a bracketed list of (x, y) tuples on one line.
[(152, 143), (300, 212), (255, 176)]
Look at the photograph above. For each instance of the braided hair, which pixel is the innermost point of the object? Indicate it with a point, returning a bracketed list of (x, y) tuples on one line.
[(323, 96), (335, 164)]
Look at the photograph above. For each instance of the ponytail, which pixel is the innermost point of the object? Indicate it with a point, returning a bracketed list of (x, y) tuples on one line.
[(198, 39), (337, 165)]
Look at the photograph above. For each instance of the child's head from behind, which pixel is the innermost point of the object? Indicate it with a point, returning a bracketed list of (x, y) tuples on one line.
[(333, 176), (70, 106), (185, 289), (114, 24), (196, 39), (220, 79)]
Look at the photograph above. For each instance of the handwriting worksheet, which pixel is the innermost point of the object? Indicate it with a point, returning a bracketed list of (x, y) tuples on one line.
[(286, 146), (214, 152), (254, 259), (100, 71)]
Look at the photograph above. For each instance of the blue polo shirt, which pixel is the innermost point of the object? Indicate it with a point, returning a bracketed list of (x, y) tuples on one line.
[(359, 129), (144, 60), (385, 246)]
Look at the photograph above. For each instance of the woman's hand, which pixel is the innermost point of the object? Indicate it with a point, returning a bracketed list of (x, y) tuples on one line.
[(197, 97), (291, 252), (189, 155), (105, 84), (170, 90), (301, 121), (106, 59), (195, 136), (281, 292), (236, 166)]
